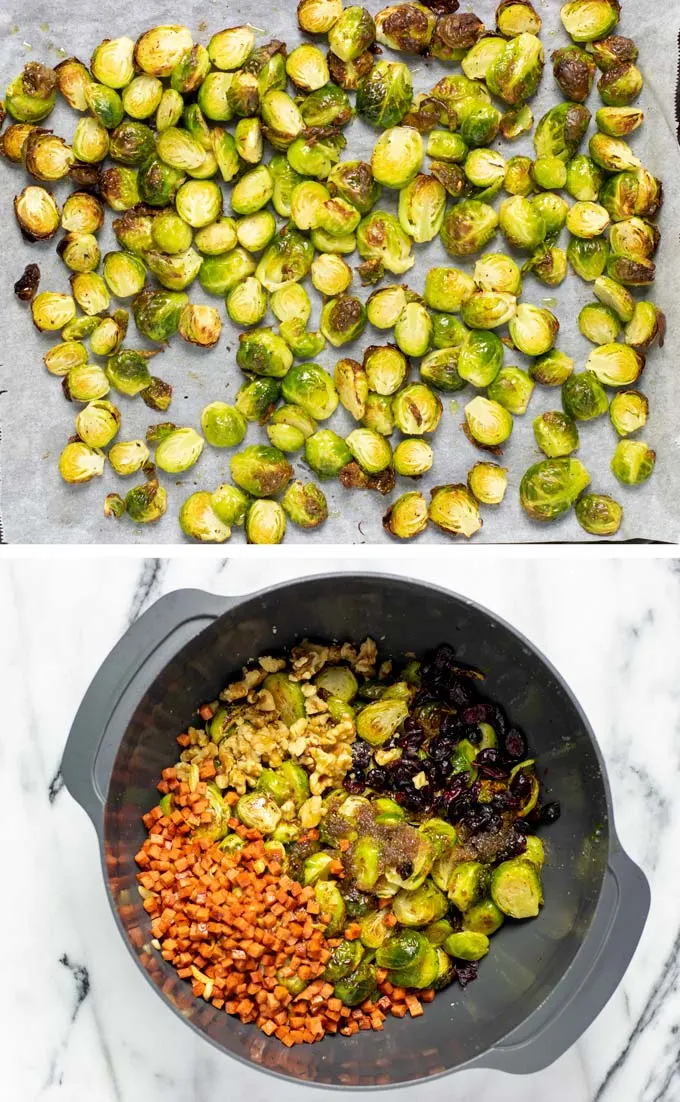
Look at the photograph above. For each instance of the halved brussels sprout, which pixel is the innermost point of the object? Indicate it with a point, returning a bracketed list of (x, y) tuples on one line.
[(159, 50), (488, 483), (519, 179), (285, 437), (516, 885), (105, 104), (218, 274), (230, 504), (618, 122), (553, 210), (247, 302), (405, 27), (447, 289), (295, 417), (352, 33), (47, 157), (584, 397), (62, 358), (199, 202), (386, 368), (549, 265), (599, 323), (179, 450), (222, 425), (633, 462), (255, 231), (330, 274), (413, 330), (408, 517), (480, 358), (157, 313), (621, 86), (199, 521), (632, 193), (599, 514), (306, 203), (488, 309), (633, 237), (385, 94), (533, 329), (628, 411), (257, 397), (556, 434), (79, 462), (488, 422), (397, 157), (133, 231), (51, 310), (612, 294), (416, 409), (515, 74), (175, 272), (142, 96), (169, 110), (287, 260), (343, 320), (454, 510), (584, 179), (385, 306), (553, 369), (128, 456), (72, 79), (377, 722), (615, 364), (561, 130), (574, 71), (261, 470), (481, 57), (248, 141), (588, 257), (230, 49), (318, 16), (485, 917), (550, 488), (124, 274), (631, 273), (494, 272), (512, 388), (253, 190), (305, 504), (282, 121), (37, 214), (326, 453), (264, 352), (98, 423), (440, 370), (85, 383), (216, 239), (448, 332), (549, 173), (516, 122), (587, 20), (370, 449), (412, 458), (468, 227), (327, 106), (147, 503), (647, 325), (422, 205), (613, 154), (265, 522), (32, 95), (522, 223)]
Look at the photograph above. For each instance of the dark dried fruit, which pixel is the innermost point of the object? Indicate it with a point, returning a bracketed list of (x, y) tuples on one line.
[(466, 971), (515, 745), (361, 754), (27, 284)]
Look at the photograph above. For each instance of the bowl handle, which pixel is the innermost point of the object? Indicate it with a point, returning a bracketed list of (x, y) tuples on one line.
[(590, 981), (86, 766)]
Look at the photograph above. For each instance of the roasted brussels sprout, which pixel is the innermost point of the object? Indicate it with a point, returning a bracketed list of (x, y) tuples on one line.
[(343, 320), (124, 274), (549, 265), (495, 272), (326, 453), (72, 79), (261, 470), (422, 204), (552, 369), (633, 462), (379, 414), (631, 273), (309, 386), (127, 457), (549, 173), (488, 423), (619, 122), (199, 521), (413, 330), (550, 488), (519, 179), (37, 214), (468, 227), (305, 504), (647, 325), (286, 438), (599, 514), (615, 364), (412, 458), (480, 359), (330, 274), (574, 71), (133, 231), (32, 95), (488, 483), (628, 411), (257, 397), (142, 96), (556, 434), (175, 272), (561, 130), (63, 358), (512, 388), (247, 302), (169, 110), (147, 503), (397, 156), (584, 397), (612, 294), (588, 20), (522, 223), (178, 450), (351, 383), (354, 182), (80, 463), (454, 35), (588, 257), (98, 423), (378, 721), (352, 33), (584, 179), (218, 274), (370, 449), (488, 309), (264, 352), (287, 260), (222, 425), (516, 122), (229, 504), (516, 886), (51, 310), (515, 74), (386, 368), (157, 313), (159, 50), (621, 85), (265, 522), (46, 157), (385, 94)]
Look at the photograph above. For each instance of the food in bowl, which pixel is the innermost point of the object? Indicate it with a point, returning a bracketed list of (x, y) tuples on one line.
[(341, 839)]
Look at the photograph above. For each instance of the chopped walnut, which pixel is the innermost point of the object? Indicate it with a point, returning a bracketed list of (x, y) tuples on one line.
[(238, 690), (307, 660), (384, 757), (272, 665), (385, 670), (366, 658)]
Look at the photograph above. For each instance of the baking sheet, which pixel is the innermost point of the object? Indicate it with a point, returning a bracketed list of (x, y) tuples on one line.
[(37, 507)]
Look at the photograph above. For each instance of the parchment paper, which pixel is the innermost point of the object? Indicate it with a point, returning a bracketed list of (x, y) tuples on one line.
[(37, 507)]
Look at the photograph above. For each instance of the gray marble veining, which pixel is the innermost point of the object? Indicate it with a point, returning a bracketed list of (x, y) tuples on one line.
[(81, 1023)]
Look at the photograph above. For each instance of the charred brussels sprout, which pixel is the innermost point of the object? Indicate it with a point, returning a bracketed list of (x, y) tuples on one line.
[(488, 483), (647, 325), (633, 462), (80, 463), (556, 434), (515, 74), (549, 265), (261, 470), (468, 227), (198, 520), (561, 130), (634, 238), (381, 237), (615, 364), (264, 352), (533, 329), (287, 260), (157, 313), (147, 503), (514, 17), (98, 423), (488, 422), (354, 182), (512, 388), (37, 214), (628, 412), (222, 425), (613, 154), (422, 204), (416, 409), (352, 34), (46, 157), (619, 122), (588, 20), (521, 223), (612, 294), (343, 320), (412, 458), (384, 96), (480, 358), (550, 488), (257, 397), (454, 35), (574, 71), (265, 522), (621, 86), (454, 510), (406, 27), (327, 106), (517, 122), (179, 450), (378, 414), (133, 231), (397, 157), (599, 514), (32, 95), (631, 273), (407, 518), (72, 79), (305, 504), (553, 369), (584, 397)]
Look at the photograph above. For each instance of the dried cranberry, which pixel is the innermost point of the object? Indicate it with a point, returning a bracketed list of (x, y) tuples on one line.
[(504, 801), (491, 764), (354, 783), (521, 826), (361, 754), (411, 744), (474, 735), (460, 694), (411, 726), (441, 749), (478, 713), (520, 786), (551, 813), (450, 726), (515, 847), (515, 745), (466, 971), (378, 779)]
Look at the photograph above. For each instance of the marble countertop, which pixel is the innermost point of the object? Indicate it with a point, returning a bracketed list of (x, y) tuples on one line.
[(81, 1023)]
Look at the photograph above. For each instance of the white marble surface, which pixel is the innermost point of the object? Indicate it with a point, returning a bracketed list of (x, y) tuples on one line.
[(81, 1022)]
